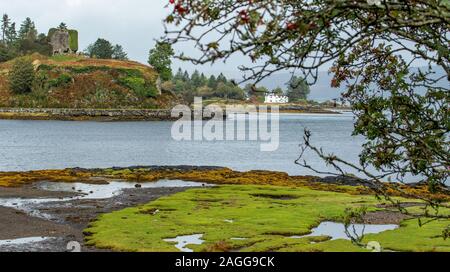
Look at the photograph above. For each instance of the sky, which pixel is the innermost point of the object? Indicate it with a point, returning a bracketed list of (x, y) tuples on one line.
[(134, 24)]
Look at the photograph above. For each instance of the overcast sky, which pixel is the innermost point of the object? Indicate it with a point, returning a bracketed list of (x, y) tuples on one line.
[(135, 24)]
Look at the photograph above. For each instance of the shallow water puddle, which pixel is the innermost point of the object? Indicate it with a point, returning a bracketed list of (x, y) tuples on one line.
[(85, 191), (114, 188), (23, 241), (337, 230), (183, 241)]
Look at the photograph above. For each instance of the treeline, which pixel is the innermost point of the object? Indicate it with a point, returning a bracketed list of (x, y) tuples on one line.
[(197, 84), (26, 40), (104, 49), (22, 41), (220, 87), (188, 86)]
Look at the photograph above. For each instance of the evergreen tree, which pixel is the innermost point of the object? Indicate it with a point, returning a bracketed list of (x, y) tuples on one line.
[(119, 53), (298, 89), (212, 82), (11, 34), (160, 58), (203, 79), (62, 26), (28, 30), (196, 79), (21, 76), (222, 79), (179, 75), (278, 91), (5, 24), (186, 76), (101, 49)]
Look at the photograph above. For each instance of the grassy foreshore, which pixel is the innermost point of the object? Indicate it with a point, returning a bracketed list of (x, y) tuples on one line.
[(245, 211)]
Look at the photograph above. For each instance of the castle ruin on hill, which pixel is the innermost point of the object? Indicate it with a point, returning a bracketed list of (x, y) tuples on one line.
[(63, 41)]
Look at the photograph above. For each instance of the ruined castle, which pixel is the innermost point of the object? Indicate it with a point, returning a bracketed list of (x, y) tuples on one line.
[(63, 41)]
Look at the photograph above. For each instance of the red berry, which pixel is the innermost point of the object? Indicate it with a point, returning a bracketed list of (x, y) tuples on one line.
[(291, 26)]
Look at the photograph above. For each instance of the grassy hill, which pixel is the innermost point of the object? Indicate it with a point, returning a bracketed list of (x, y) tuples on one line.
[(71, 81)]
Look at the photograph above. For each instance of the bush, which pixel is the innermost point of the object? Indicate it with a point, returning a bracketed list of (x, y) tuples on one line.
[(61, 81), (21, 76), (5, 54), (135, 80)]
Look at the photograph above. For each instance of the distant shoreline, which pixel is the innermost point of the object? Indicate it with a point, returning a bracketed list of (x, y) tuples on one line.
[(116, 115)]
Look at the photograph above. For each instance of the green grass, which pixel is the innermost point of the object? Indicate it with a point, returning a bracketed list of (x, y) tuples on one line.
[(266, 221), (412, 237), (64, 58), (258, 214)]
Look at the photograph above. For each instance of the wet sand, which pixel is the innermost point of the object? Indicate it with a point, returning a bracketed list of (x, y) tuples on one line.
[(67, 219)]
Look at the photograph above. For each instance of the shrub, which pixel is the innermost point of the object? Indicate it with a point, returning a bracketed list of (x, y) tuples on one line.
[(139, 86), (62, 80), (5, 54), (21, 76)]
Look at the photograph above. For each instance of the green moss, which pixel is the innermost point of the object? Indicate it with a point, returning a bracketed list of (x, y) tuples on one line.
[(413, 237), (263, 220), (73, 40)]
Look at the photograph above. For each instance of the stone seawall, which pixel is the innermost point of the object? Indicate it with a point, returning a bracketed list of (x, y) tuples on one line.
[(118, 114), (86, 114)]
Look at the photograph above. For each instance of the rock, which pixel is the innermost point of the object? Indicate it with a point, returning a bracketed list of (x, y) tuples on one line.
[(138, 186)]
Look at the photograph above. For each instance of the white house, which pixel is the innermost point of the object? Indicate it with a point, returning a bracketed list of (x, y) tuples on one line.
[(276, 99)]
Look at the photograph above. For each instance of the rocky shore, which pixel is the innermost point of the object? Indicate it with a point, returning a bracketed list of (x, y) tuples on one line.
[(111, 115), (86, 114)]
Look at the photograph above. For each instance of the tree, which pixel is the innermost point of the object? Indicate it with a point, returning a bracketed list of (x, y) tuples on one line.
[(21, 76), (101, 49), (5, 53), (5, 24), (222, 79), (298, 89), (178, 75), (160, 58), (196, 79), (186, 76), (28, 30), (204, 92), (212, 82), (372, 47), (278, 91), (11, 34), (119, 53), (62, 26)]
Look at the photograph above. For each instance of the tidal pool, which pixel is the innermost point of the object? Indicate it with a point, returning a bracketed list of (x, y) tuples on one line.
[(183, 241), (337, 230), (85, 191), (114, 188), (23, 241)]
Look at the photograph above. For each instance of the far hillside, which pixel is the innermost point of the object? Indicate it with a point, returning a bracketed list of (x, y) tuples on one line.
[(73, 81)]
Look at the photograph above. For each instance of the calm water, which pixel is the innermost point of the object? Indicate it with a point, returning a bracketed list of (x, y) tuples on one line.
[(32, 145)]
